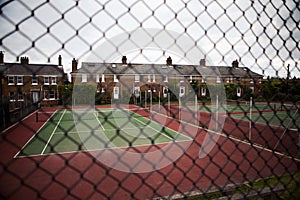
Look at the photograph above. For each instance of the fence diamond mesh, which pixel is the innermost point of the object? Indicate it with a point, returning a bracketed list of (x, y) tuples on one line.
[(181, 99)]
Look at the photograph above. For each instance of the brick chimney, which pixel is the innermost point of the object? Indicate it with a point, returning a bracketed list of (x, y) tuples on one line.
[(202, 62), (235, 64), (59, 60), (24, 60), (169, 61), (1, 57), (74, 65), (124, 60)]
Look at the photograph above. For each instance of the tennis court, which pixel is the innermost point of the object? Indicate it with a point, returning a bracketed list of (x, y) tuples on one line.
[(94, 129)]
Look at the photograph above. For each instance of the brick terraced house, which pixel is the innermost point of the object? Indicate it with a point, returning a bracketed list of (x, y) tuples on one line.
[(118, 80), (24, 84)]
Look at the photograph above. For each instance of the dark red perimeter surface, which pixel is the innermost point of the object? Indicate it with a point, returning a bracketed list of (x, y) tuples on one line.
[(79, 175)]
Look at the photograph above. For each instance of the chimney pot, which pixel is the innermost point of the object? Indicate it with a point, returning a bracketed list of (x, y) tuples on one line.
[(59, 60), (74, 65), (235, 64), (124, 60), (202, 62), (25, 60), (169, 61), (1, 57)]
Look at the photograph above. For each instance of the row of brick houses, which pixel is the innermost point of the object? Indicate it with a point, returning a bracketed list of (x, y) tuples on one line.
[(24, 84), (123, 79)]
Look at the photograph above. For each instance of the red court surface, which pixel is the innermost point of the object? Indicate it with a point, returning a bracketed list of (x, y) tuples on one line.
[(79, 175)]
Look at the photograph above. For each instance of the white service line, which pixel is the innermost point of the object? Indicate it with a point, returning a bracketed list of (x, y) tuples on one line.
[(53, 132)]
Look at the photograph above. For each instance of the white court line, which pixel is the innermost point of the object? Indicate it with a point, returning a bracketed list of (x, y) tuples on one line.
[(35, 133), (53, 132)]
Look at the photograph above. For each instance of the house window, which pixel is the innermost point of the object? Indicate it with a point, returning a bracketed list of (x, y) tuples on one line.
[(181, 91), (102, 78), (11, 80), (203, 91), (34, 80), (20, 96), (153, 78), (149, 78), (97, 78), (239, 92), (137, 91), (46, 80), (11, 96), (19, 80), (51, 95), (116, 78), (53, 81), (84, 78), (182, 79), (136, 78), (203, 80), (191, 78), (116, 92), (165, 79), (218, 79)]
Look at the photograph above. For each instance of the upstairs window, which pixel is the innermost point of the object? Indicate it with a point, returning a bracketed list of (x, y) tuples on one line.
[(84, 78), (102, 78), (53, 81), (136, 78), (11, 80), (34, 80), (116, 78), (46, 80), (19, 80), (165, 78)]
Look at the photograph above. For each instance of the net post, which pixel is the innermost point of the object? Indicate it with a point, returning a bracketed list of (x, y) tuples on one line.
[(36, 117)]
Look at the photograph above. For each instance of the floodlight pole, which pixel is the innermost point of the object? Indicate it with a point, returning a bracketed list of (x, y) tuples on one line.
[(196, 109), (217, 111), (159, 100)]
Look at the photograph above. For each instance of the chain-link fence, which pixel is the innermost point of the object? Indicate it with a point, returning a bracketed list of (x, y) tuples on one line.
[(149, 99)]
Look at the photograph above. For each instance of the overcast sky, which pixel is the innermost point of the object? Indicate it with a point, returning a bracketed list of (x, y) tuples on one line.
[(262, 35)]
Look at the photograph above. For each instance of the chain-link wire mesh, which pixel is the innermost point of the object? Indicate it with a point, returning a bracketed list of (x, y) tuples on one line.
[(149, 99)]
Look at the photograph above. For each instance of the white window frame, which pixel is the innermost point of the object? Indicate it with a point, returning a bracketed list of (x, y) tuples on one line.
[(97, 78), (48, 80), (191, 78), (136, 78), (203, 91), (84, 78), (102, 78), (153, 78), (137, 91), (53, 80), (12, 96), (149, 78), (218, 79), (203, 80), (19, 80), (51, 92), (181, 91), (34, 80), (239, 91), (20, 96), (165, 78), (11, 80), (116, 92), (116, 80)]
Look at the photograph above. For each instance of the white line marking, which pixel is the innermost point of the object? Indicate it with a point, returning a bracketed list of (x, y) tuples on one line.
[(35, 133), (53, 132)]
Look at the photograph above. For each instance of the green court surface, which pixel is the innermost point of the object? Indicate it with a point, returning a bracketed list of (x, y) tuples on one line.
[(71, 131), (285, 119)]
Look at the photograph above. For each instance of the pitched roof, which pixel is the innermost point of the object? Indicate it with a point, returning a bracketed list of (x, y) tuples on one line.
[(31, 69), (176, 70)]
